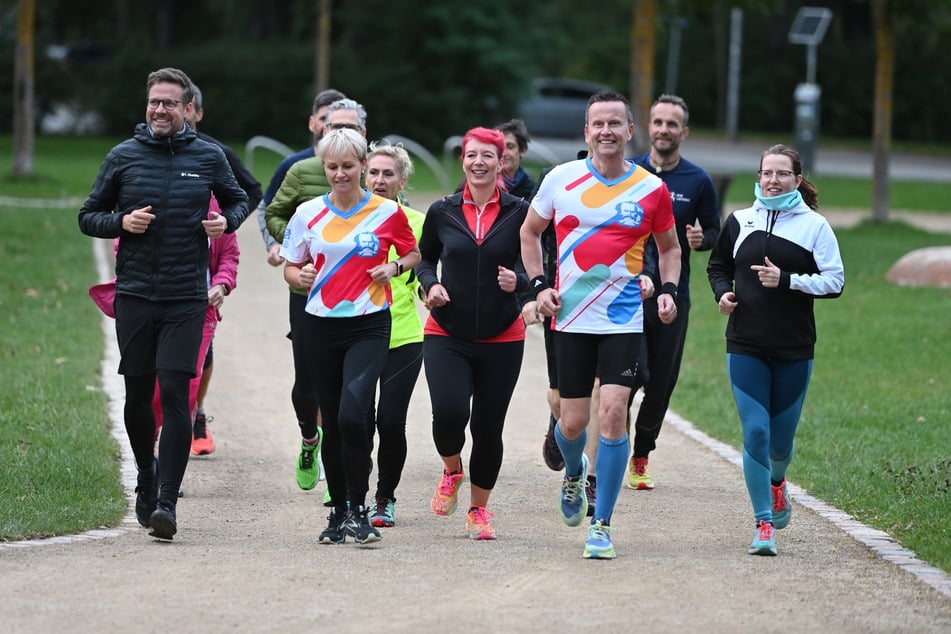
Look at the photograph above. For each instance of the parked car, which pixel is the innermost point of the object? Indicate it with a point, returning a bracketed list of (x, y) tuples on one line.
[(556, 106)]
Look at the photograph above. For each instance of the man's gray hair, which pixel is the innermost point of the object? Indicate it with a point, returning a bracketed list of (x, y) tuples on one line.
[(196, 96), (350, 104)]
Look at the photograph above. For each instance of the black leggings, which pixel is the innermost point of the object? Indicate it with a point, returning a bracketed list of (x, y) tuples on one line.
[(485, 374), (175, 442), (346, 357), (396, 388), (304, 391), (665, 349)]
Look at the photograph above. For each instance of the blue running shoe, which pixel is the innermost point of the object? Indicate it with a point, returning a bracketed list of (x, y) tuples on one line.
[(782, 510), (599, 544), (573, 503), (764, 543)]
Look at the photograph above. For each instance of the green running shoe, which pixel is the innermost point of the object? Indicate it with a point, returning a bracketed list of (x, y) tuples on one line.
[(308, 464)]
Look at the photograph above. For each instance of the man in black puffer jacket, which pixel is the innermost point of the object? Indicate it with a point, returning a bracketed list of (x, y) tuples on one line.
[(152, 192)]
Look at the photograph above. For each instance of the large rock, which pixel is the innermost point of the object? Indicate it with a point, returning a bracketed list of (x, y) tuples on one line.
[(923, 267)]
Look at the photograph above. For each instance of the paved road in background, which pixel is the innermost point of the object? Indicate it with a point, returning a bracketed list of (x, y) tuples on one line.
[(722, 157)]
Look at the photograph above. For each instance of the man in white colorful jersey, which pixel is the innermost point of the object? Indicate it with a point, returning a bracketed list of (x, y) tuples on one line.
[(603, 208)]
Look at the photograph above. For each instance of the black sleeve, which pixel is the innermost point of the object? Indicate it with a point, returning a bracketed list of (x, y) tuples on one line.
[(245, 179)]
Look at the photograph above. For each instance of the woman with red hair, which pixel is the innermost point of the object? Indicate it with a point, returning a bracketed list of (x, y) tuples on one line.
[(471, 273)]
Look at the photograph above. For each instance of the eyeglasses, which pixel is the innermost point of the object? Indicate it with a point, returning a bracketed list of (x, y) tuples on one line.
[(168, 103), (343, 126), (782, 175)]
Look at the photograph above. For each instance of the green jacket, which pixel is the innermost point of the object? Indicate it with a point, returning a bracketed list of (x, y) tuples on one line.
[(304, 180)]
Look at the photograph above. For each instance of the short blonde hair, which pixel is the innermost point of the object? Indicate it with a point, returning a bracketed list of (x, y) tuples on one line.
[(342, 142), (396, 152)]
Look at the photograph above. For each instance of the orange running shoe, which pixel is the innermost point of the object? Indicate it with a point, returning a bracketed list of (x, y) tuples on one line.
[(202, 442)]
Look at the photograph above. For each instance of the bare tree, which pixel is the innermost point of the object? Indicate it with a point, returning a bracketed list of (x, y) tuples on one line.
[(643, 46), (23, 133), (884, 91)]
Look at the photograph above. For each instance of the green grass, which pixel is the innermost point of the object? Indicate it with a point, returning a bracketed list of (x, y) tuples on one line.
[(59, 463), (874, 437), (873, 440), (856, 193)]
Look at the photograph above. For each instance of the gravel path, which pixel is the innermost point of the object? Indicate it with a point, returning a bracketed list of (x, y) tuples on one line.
[(246, 556)]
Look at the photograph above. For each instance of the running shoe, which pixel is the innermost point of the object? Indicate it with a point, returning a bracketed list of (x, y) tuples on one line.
[(572, 501), (328, 501), (591, 492), (446, 497), (357, 525), (782, 510), (308, 469), (599, 544), (202, 442), (764, 543), (477, 523), (334, 533), (146, 493), (550, 451), (382, 514), (162, 522), (638, 477)]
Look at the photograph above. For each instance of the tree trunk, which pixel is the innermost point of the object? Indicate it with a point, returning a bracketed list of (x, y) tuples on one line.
[(884, 90), (322, 46), (643, 46), (23, 133)]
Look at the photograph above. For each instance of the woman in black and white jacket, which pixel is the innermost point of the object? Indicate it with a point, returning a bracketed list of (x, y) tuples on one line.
[(770, 262)]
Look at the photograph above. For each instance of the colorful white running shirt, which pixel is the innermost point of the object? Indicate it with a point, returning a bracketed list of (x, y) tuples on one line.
[(343, 246), (601, 227)]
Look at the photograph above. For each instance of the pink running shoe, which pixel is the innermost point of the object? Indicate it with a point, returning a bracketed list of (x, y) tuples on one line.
[(446, 497), (477, 523)]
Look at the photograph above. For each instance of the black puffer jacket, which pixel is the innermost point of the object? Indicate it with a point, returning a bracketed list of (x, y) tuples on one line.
[(478, 309), (176, 176)]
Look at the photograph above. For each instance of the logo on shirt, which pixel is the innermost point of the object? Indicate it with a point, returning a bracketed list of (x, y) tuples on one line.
[(368, 245), (629, 213), (190, 175)]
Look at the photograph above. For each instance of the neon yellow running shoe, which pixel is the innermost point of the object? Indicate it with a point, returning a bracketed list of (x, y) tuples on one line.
[(638, 477), (446, 497), (308, 464)]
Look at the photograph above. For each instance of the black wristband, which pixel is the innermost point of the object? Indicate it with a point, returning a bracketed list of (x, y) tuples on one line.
[(399, 267), (670, 288), (537, 285)]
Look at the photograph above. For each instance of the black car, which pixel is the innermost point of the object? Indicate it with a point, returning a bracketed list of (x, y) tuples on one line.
[(556, 106)]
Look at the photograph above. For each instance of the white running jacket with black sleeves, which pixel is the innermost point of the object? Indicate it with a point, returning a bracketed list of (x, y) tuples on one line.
[(775, 323)]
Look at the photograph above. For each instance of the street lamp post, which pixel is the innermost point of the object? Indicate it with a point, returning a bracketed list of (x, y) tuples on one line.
[(808, 28)]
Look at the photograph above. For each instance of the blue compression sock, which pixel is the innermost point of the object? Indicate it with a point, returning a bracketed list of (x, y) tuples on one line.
[(571, 451), (611, 467)]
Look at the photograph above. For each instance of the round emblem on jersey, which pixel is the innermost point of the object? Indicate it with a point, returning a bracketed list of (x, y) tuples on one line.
[(629, 213), (368, 245)]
